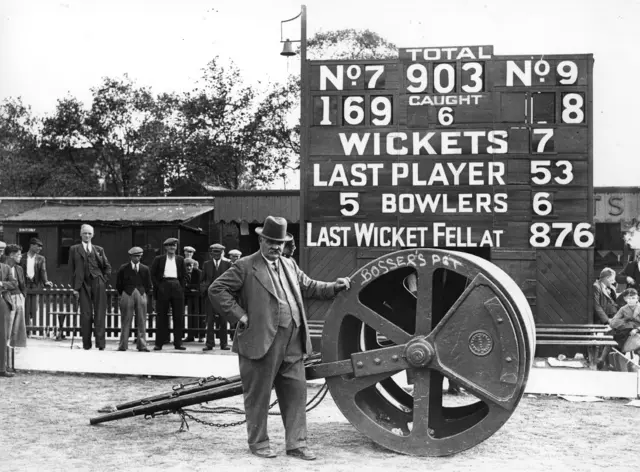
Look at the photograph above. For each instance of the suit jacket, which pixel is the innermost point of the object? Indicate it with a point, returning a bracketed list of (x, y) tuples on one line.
[(21, 286), (194, 283), (127, 279), (629, 270), (604, 304), (209, 272), (78, 261), (157, 271), (8, 284), (40, 269), (246, 289)]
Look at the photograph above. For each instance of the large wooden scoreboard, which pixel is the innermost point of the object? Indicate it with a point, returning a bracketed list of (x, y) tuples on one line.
[(453, 147)]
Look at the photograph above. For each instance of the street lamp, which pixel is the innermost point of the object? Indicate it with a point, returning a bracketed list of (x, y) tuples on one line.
[(288, 51)]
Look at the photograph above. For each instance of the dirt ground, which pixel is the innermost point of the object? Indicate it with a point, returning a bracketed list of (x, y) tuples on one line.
[(44, 426)]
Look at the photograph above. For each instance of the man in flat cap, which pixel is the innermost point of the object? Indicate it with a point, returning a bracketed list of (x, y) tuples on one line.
[(90, 271), (263, 292), (193, 300), (133, 284), (7, 284), (168, 277), (211, 270), (34, 267), (189, 252), (234, 255)]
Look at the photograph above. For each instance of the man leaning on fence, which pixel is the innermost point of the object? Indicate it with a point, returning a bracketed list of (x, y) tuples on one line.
[(133, 284), (34, 267), (90, 271)]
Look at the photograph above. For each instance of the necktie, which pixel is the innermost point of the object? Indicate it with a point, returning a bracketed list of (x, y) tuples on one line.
[(87, 248), (135, 267)]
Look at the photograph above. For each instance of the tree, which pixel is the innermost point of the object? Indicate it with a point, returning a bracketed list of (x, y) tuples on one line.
[(350, 44)]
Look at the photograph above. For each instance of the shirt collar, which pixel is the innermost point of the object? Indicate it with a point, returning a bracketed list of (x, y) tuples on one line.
[(268, 262)]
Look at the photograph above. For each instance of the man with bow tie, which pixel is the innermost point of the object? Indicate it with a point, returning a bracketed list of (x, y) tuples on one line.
[(133, 284), (90, 271), (264, 293)]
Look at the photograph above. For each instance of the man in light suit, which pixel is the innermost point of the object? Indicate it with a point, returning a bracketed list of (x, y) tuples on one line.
[(133, 284), (263, 292), (34, 267), (211, 270), (90, 271), (7, 284), (168, 277)]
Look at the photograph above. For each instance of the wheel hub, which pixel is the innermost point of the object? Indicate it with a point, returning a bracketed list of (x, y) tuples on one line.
[(419, 352)]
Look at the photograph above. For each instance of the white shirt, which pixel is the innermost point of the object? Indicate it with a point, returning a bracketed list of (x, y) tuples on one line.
[(87, 247), (31, 266), (170, 268)]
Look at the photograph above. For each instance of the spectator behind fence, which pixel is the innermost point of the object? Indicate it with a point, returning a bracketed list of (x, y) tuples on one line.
[(289, 249), (189, 252), (234, 255), (604, 307), (34, 267), (90, 271), (195, 320), (630, 275), (211, 270), (167, 275), (626, 323), (7, 283), (133, 284), (16, 327)]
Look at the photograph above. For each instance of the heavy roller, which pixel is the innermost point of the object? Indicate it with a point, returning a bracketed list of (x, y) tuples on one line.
[(410, 319)]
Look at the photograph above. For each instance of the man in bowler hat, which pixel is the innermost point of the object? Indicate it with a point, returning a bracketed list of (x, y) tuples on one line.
[(133, 284), (168, 277), (90, 271), (263, 292), (211, 270)]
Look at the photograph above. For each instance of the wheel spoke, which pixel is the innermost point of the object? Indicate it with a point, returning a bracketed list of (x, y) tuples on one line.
[(421, 402), (424, 309), (354, 385), (379, 323)]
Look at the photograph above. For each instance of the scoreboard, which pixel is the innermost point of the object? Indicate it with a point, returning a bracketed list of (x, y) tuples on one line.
[(452, 147)]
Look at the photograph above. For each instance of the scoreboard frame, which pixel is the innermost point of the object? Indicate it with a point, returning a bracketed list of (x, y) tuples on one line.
[(569, 166)]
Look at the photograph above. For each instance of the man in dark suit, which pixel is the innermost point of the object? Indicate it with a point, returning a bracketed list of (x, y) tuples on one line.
[(168, 276), (263, 292), (211, 270), (630, 275), (604, 308), (34, 267), (90, 271), (7, 284), (133, 284), (192, 280)]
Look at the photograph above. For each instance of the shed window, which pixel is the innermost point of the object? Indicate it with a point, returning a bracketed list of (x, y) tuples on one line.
[(66, 238)]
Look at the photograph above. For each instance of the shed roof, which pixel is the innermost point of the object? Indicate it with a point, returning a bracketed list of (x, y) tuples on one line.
[(112, 213), (255, 208)]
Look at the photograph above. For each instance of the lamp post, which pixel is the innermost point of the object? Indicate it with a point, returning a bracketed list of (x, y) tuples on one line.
[(288, 51)]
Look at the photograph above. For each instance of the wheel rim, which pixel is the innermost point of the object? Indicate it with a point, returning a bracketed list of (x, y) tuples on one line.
[(484, 339)]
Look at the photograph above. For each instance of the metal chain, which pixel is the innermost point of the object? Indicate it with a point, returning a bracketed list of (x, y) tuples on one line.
[(184, 414), (200, 382)]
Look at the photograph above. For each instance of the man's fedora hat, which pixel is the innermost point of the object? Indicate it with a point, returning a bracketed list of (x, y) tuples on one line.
[(36, 241), (275, 228)]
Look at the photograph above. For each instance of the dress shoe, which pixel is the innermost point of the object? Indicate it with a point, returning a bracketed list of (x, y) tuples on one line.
[(101, 348), (180, 348), (59, 337), (7, 374), (225, 348), (303, 453), (188, 339), (207, 348), (144, 349), (121, 349), (266, 453), (157, 348)]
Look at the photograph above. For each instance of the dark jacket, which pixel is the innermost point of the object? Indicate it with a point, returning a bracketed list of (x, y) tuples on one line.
[(247, 289), (604, 303), (194, 282), (128, 279), (630, 270), (78, 259), (40, 269), (157, 271), (21, 286), (209, 272), (8, 284)]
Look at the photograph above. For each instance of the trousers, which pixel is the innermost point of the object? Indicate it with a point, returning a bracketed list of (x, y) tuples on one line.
[(93, 310), (170, 294), (130, 305), (283, 368)]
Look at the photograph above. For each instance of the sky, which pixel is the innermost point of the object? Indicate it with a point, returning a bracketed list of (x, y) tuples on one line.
[(50, 49)]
